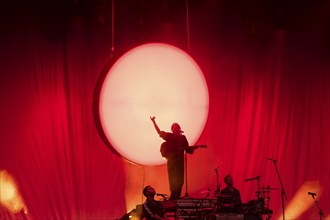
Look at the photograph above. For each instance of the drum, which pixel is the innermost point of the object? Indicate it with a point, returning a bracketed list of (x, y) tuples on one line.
[(256, 205), (252, 216)]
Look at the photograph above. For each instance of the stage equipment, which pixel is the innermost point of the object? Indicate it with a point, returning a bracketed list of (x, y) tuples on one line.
[(225, 217), (258, 180), (208, 209), (317, 205), (257, 206), (134, 214), (190, 208), (265, 193), (283, 195), (252, 216), (186, 195), (217, 190)]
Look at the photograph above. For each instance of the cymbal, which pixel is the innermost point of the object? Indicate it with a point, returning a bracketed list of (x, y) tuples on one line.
[(270, 188)]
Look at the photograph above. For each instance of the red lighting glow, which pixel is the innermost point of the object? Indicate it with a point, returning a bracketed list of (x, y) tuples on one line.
[(301, 202), (152, 80)]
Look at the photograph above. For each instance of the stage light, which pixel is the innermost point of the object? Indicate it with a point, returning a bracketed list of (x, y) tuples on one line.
[(151, 80), (134, 214), (10, 196)]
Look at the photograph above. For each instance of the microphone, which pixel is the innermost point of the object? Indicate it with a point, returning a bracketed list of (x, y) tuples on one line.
[(162, 195), (272, 160), (257, 177), (312, 194)]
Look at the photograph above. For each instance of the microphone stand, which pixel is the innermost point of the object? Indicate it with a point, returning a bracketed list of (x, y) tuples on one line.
[(186, 166), (217, 191), (186, 195), (320, 210), (258, 182), (283, 195)]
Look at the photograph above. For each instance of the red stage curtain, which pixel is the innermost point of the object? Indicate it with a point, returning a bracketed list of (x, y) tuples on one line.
[(267, 100)]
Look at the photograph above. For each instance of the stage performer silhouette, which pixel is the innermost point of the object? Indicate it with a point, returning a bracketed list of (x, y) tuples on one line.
[(230, 197), (152, 209), (173, 150)]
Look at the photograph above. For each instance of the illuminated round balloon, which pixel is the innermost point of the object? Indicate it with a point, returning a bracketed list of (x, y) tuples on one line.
[(152, 80)]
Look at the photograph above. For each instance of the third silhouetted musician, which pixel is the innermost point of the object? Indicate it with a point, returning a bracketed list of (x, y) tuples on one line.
[(230, 197)]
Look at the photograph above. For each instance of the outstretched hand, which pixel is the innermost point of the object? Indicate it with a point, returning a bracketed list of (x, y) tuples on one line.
[(155, 124)]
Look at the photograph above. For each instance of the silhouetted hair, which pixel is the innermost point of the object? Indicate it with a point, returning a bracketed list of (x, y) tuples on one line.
[(225, 179), (145, 190)]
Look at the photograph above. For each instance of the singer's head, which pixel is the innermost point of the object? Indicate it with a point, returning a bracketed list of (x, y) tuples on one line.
[(148, 191), (176, 129)]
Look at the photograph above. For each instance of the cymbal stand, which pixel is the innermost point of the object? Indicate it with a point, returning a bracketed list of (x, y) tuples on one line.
[(268, 196), (317, 205), (217, 191), (258, 192)]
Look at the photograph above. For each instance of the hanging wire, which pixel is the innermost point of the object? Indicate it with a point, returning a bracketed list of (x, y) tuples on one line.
[(112, 28), (187, 24)]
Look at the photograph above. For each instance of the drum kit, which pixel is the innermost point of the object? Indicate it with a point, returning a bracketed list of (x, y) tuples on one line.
[(255, 209), (211, 208), (260, 205)]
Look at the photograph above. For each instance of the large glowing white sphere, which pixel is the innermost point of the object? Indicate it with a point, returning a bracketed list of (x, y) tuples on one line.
[(152, 80)]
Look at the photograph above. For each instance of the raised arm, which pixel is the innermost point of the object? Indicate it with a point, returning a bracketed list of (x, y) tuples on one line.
[(155, 125)]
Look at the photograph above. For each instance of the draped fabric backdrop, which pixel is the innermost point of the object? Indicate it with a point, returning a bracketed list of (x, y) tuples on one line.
[(269, 94)]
